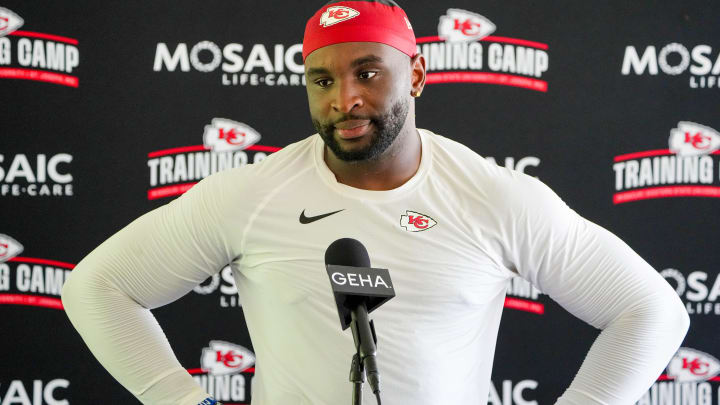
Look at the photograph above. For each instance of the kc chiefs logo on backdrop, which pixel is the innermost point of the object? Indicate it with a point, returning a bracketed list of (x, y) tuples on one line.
[(336, 14), (460, 25), (225, 372), (9, 248), (692, 365), (685, 169), (415, 222), (223, 135), (464, 52), (9, 21), (691, 139), (226, 358)]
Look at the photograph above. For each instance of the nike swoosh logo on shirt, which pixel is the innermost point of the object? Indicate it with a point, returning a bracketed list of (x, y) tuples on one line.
[(307, 220)]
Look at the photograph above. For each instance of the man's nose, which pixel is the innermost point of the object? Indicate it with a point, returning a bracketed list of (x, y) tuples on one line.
[(347, 97)]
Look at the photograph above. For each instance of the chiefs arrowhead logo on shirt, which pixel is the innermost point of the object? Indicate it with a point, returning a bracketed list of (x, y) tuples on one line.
[(692, 365), (9, 21), (226, 358), (9, 248), (337, 14), (691, 139), (224, 135), (463, 26), (415, 222)]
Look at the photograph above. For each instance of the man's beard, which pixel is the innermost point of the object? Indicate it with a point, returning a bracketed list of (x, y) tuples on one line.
[(387, 128)]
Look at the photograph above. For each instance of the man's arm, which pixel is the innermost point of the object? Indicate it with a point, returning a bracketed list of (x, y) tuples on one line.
[(599, 279), (153, 261)]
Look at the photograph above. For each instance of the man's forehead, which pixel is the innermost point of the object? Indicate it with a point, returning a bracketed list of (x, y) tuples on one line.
[(351, 54)]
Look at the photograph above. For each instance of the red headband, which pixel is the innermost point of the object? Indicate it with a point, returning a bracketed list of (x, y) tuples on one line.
[(359, 21)]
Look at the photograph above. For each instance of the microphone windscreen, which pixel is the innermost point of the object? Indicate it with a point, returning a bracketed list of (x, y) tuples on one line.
[(347, 252)]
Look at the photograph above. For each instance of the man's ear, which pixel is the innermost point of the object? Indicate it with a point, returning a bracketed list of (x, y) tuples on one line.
[(417, 75)]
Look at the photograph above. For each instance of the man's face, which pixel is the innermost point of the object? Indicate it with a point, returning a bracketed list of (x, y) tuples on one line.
[(359, 97)]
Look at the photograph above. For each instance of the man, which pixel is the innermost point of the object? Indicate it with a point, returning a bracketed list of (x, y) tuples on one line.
[(365, 173)]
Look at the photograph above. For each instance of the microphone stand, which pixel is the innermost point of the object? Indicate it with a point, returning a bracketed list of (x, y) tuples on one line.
[(363, 331), (357, 377)]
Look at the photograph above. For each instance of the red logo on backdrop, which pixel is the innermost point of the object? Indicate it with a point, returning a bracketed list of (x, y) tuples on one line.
[(230, 358), (685, 169), (225, 372), (232, 137), (692, 365), (226, 358), (461, 25), (9, 248), (696, 366), (9, 21), (690, 138), (698, 141), (337, 14), (467, 27), (225, 135), (415, 222)]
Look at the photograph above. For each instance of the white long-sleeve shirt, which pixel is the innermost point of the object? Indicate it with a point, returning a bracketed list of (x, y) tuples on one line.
[(490, 224)]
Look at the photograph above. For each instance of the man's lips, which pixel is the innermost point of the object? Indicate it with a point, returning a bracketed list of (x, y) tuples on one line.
[(350, 124), (352, 128)]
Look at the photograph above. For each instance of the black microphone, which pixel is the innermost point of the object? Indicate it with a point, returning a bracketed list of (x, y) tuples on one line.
[(358, 289)]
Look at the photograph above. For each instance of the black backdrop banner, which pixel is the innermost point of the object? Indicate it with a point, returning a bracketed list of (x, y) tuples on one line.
[(113, 109)]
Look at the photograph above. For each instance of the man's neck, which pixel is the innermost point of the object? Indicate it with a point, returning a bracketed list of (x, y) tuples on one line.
[(392, 169)]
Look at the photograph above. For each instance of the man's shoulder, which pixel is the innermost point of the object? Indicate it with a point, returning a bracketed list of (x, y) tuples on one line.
[(444, 144), (483, 177), (454, 159)]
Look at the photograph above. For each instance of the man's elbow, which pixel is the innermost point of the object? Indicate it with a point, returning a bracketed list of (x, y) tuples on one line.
[(74, 293), (682, 318), (671, 314), (68, 294)]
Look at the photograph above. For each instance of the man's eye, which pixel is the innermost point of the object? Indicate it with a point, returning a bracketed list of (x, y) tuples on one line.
[(367, 75), (323, 82)]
